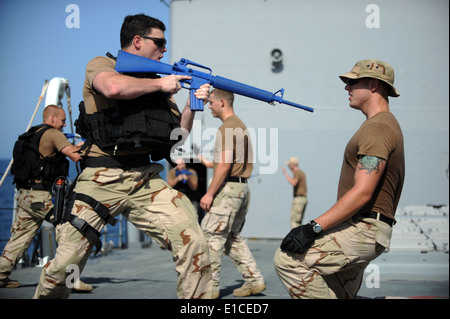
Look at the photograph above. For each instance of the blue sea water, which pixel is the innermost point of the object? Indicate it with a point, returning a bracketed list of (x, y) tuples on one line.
[(7, 210), (6, 204)]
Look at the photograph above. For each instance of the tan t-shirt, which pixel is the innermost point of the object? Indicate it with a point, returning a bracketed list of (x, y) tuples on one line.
[(94, 101), (300, 187), (379, 136), (233, 136), (52, 141)]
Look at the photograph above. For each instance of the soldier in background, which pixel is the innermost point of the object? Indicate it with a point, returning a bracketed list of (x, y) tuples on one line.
[(185, 180), (298, 182), (45, 154), (228, 197)]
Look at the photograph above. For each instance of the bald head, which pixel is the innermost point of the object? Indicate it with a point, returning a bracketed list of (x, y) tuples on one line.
[(54, 116)]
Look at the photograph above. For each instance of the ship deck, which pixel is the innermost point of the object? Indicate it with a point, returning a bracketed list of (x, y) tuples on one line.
[(417, 266)]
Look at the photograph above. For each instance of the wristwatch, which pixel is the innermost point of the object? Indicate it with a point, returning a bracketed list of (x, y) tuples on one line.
[(317, 228)]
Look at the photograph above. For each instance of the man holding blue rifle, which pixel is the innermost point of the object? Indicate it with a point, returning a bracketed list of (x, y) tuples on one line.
[(125, 119)]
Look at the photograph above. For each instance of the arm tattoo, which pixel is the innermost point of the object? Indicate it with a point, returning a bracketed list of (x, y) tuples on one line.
[(370, 164)]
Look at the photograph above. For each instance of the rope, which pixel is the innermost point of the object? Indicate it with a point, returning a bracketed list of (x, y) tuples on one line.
[(41, 97), (69, 109)]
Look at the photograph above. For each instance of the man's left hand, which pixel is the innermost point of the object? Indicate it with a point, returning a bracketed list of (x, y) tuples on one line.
[(206, 201), (299, 239), (203, 93)]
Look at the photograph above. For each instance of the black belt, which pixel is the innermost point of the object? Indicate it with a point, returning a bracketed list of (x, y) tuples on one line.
[(379, 216), (124, 162), (35, 187), (235, 179)]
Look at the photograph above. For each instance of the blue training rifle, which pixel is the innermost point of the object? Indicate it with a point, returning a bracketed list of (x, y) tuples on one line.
[(131, 63), (184, 171)]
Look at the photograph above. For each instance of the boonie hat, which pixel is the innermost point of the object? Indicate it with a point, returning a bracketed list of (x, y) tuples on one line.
[(372, 68), (292, 160)]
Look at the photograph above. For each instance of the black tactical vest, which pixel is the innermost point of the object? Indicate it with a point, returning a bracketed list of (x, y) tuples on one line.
[(30, 165), (142, 123)]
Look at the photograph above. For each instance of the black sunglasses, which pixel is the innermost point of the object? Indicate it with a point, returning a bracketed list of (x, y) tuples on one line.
[(352, 81), (159, 42)]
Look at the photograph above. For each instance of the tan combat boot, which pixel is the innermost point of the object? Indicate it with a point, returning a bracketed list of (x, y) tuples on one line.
[(80, 286), (8, 283), (249, 289)]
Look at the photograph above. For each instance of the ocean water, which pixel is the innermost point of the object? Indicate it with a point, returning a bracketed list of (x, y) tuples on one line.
[(7, 211), (6, 204)]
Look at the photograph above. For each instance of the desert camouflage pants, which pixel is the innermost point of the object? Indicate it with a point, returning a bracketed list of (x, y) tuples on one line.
[(32, 208), (298, 210), (222, 226), (153, 207), (334, 265)]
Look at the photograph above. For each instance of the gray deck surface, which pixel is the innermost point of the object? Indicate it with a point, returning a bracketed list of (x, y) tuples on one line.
[(148, 273)]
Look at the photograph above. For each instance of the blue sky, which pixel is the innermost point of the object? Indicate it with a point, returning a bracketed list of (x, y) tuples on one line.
[(37, 45)]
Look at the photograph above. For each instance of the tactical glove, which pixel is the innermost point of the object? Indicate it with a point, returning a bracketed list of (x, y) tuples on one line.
[(299, 239)]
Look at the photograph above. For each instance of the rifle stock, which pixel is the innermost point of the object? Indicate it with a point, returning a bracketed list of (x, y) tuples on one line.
[(131, 63)]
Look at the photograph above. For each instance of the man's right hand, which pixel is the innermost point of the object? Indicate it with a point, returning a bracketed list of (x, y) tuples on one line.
[(171, 83)]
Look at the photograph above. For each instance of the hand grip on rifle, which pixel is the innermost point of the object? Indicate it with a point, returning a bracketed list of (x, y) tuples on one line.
[(183, 172)]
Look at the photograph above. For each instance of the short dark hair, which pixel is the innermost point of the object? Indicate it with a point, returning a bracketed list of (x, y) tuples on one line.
[(223, 95), (139, 24)]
